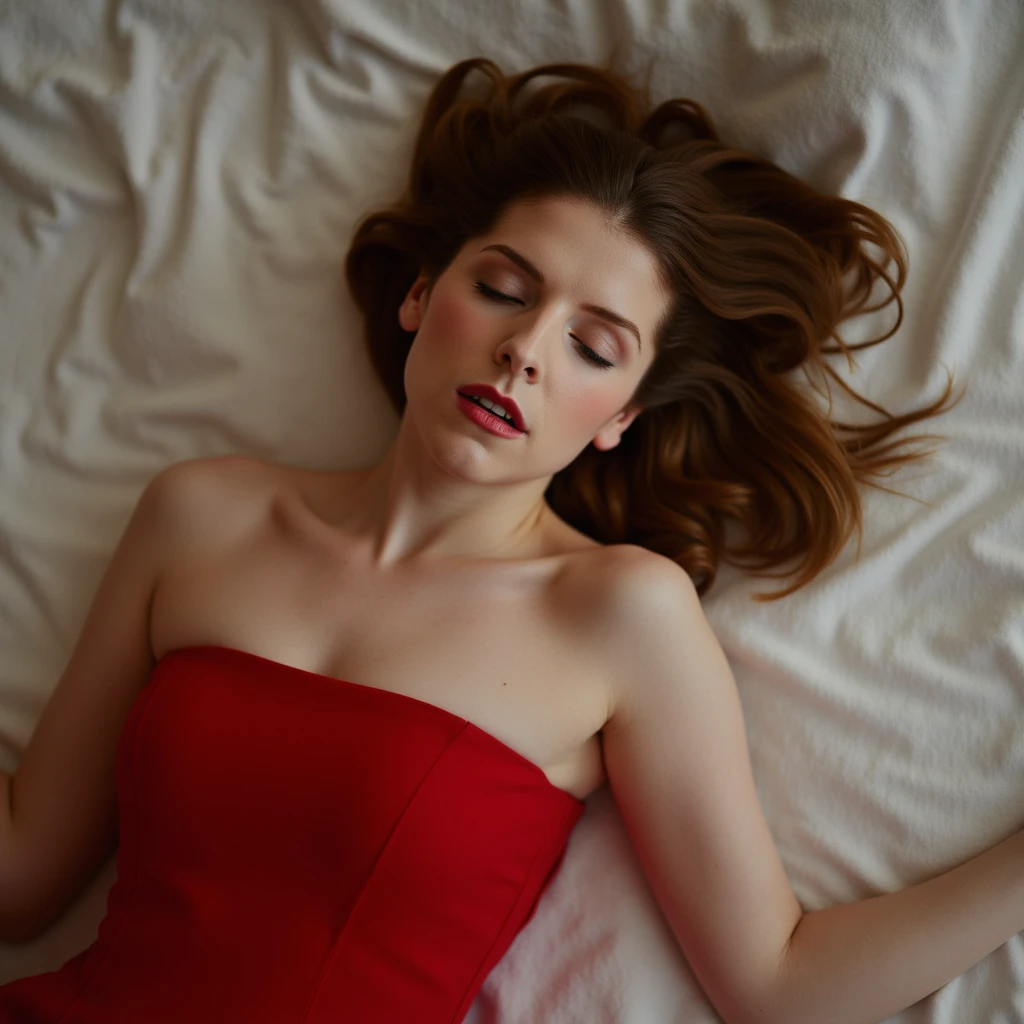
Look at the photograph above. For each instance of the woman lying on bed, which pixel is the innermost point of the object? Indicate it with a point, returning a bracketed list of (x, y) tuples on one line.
[(377, 699)]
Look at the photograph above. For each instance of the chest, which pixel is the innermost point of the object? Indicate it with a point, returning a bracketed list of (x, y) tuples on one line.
[(493, 644)]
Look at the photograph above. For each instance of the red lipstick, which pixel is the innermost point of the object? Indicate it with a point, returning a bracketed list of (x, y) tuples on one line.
[(494, 395), (490, 421)]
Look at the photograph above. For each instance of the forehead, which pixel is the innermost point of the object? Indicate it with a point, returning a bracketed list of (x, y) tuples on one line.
[(578, 248)]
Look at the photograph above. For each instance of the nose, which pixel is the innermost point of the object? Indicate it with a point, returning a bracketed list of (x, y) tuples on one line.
[(523, 347)]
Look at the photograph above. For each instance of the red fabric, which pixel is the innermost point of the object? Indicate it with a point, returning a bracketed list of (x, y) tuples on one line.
[(297, 848)]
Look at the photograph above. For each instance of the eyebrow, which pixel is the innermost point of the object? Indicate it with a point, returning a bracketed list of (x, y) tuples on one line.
[(602, 311)]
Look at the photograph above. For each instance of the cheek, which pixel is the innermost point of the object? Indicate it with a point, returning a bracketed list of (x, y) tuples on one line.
[(452, 321), (587, 408), (596, 410)]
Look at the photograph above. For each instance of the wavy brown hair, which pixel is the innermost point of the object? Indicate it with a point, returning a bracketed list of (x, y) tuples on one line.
[(763, 269)]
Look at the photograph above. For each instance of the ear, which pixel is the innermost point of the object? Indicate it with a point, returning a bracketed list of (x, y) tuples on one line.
[(410, 313), (611, 433)]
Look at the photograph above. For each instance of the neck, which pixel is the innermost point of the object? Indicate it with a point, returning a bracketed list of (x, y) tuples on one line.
[(408, 509)]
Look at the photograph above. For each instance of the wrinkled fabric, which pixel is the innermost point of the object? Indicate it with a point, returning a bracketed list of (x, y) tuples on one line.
[(178, 185)]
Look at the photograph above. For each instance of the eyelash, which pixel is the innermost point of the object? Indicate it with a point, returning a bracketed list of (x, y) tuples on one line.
[(588, 353)]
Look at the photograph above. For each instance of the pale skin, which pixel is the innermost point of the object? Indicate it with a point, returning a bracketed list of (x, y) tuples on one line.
[(442, 573)]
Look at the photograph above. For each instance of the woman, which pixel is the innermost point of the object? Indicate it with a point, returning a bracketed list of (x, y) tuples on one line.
[(377, 699)]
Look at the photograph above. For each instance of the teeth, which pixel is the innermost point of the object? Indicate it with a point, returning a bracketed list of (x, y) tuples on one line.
[(490, 406), (498, 410)]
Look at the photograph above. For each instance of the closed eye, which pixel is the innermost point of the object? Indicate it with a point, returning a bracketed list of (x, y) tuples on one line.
[(491, 293), (585, 350)]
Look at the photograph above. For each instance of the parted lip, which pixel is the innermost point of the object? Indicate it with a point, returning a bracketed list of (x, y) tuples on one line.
[(494, 395)]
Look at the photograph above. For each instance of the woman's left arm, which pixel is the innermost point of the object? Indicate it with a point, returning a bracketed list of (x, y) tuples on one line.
[(678, 765)]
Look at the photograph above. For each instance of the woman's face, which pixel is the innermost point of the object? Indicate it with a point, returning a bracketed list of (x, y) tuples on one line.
[(556, 309)]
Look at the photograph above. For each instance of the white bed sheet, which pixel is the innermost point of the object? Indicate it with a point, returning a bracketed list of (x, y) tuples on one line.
[(177, 188)]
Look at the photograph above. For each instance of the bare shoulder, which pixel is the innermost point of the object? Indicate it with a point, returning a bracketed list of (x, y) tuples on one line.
[(220, 475), (629, 584), (644, 609), (203, 500)]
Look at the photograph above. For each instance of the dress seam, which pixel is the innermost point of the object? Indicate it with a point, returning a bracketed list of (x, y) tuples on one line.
[(373, 870), (462, 1009)]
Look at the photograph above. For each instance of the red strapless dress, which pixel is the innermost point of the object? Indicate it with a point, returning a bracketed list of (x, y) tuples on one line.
[(298, 849)]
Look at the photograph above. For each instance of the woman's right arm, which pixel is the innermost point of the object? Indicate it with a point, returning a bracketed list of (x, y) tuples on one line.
[(58, 811)]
